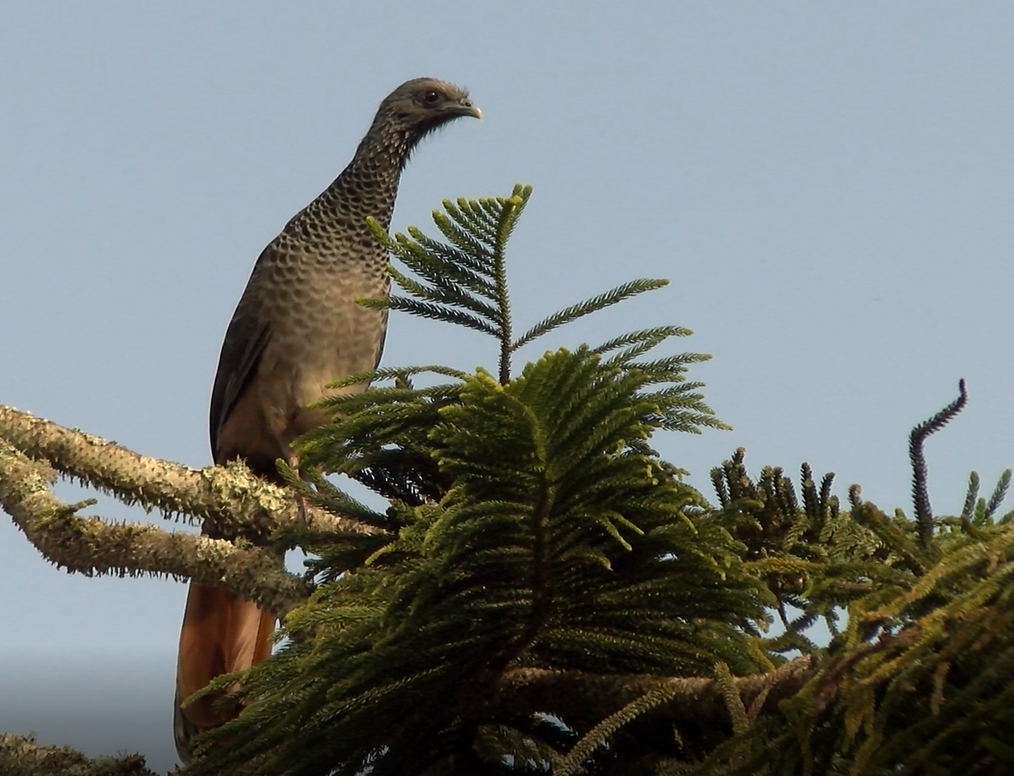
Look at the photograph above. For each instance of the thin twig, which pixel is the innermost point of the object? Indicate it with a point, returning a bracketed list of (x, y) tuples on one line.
[(920, 494), (577, 695)]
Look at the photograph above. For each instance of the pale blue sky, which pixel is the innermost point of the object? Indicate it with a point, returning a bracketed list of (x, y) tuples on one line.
[(828, 186)]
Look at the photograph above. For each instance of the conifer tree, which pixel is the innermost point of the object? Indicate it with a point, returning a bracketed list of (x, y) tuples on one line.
[(542, 592)]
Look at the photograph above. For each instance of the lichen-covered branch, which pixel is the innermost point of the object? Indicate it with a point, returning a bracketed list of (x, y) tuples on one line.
[(22, 756), (92, 546), (230, 500)]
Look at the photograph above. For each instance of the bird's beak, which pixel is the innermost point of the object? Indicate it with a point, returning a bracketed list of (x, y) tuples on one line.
[(468, 108)]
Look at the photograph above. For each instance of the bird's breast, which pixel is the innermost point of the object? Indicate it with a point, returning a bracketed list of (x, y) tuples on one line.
[(319, 334)]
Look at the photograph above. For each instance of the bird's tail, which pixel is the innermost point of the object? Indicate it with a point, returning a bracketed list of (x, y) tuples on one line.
[(221, 634)]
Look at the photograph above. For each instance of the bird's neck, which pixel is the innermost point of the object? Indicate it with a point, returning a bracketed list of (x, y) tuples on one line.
[(369, 185)]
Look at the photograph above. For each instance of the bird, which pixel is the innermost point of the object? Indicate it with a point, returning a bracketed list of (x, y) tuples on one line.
[(297, 327)]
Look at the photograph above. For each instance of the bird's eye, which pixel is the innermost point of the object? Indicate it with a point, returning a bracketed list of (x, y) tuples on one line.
[(430, 97)]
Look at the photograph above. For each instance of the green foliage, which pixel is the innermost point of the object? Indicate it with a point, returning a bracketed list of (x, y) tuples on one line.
[(464, 281), (1000, 741), (548, 596), (924, 665), (531, 527), (557, 545)]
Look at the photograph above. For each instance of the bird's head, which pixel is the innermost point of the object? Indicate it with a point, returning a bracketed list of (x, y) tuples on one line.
[(419, 106)]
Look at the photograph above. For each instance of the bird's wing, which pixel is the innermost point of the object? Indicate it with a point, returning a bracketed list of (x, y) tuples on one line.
[(245, 340)]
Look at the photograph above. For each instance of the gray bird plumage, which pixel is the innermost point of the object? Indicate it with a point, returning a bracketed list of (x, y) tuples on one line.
[(297, 328)]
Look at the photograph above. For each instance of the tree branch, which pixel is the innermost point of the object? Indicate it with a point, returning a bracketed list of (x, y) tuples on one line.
[(22, 756), (917, 439), (230, 500), (91, 546), (589, 698)]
